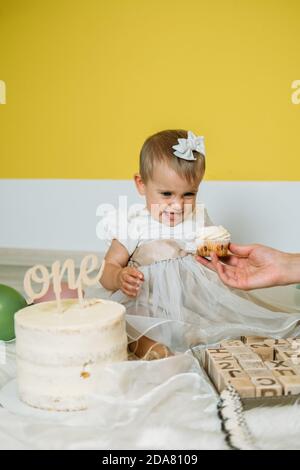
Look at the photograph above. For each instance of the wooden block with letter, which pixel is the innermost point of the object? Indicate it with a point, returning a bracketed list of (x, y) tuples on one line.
[(296, 368), (287, 355), (266, 386), (213, 357), (258, 368), (228, 364), (252, 339), (276, 342), (232, 343), (217, 368), (291, 385), (244, 386), (257, 364), (278, 364), (284, 372), (259, 373), (226, 377), (265, 352), (209, 352), (248, 356), (295, 343), (239, 349)]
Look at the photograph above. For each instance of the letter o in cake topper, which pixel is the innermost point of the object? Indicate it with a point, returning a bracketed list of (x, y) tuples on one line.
[(88, 264)]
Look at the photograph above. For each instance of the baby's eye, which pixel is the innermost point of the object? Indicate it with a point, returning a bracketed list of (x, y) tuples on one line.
[(189, 194), (166, 193)]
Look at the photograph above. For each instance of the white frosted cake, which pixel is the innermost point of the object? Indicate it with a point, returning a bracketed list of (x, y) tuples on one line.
[(60, 354)]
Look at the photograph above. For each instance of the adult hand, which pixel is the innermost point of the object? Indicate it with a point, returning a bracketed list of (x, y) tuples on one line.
[(255, 266)]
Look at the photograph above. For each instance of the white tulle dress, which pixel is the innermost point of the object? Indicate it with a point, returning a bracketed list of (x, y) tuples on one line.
[(182, 303)]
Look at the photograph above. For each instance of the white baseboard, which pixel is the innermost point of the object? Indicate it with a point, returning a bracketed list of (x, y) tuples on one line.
[(61, 214)]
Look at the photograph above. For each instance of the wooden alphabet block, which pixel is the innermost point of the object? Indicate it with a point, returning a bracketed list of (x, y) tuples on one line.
[(278, 364), (227, 376), (276, 342), (227, 365), (252, 339), (232, 342), (251, 365), (256, 366), (291, 385), (203, 357), (295, 361), (246, 357), (294, 342), (216, 350), (216, 370), (293, 338), (238, 349), (259, 373), (296, 368), (266, 386), (221, 357), (244, 387), (284, 372), (265, 352), (289, 354), (209, 352), (278, 356), (215, 359)]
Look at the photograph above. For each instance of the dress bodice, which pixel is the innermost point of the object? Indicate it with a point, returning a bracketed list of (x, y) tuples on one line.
[(154, 251)]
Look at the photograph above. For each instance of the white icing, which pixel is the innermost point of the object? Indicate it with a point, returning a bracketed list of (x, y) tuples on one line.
[(59, 355), (212, 233)]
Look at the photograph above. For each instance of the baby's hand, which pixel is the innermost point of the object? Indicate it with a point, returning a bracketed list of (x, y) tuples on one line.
[(130, 280)]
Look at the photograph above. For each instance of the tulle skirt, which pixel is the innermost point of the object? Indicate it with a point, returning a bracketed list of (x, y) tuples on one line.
[(182, 303)]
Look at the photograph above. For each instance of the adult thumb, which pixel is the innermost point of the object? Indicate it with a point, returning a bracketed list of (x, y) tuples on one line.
[(240, 250)]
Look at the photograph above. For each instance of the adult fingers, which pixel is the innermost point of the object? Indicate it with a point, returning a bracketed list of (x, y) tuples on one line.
[(230, 260), (226, 273), (240, 250), (205, 262)]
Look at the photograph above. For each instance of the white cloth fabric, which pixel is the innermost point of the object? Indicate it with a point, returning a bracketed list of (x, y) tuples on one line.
[(135, 410)]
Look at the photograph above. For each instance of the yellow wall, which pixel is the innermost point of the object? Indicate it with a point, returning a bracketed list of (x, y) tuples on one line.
[(88, 80)]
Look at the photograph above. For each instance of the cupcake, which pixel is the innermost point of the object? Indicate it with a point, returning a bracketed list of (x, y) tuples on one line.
[(213, 238)]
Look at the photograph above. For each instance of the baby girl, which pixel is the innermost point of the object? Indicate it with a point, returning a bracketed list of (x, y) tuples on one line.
[(171, 300)]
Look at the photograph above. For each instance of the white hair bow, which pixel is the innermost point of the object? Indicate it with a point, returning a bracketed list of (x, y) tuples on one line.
[(184, 148)]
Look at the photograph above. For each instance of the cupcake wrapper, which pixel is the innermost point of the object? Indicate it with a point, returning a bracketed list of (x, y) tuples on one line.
[(220, 247)]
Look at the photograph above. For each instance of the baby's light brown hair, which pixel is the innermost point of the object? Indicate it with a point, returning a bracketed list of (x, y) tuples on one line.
[(158, 148)]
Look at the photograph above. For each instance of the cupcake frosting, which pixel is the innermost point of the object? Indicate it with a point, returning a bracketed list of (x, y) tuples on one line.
[(211, 233)]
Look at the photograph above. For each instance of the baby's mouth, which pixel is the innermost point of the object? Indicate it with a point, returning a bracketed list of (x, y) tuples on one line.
[(171, 215)]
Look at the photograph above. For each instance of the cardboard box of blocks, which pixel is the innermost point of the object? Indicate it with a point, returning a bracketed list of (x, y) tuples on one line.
[(255, 366)]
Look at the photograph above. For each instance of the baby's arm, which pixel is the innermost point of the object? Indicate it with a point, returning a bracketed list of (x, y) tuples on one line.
[(117, 275)]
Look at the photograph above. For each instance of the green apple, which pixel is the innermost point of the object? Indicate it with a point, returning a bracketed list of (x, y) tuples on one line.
[(10, 302)]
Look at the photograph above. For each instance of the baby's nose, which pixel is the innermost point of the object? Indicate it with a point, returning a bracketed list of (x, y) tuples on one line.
[(177, 205)]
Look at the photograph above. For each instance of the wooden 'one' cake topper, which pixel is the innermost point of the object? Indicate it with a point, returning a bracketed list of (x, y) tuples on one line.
[(40, 275)]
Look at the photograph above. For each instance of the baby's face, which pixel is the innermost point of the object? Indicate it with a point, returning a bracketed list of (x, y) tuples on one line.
[(169, 197)]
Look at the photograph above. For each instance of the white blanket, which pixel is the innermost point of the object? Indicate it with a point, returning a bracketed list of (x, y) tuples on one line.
[(166, 404)]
